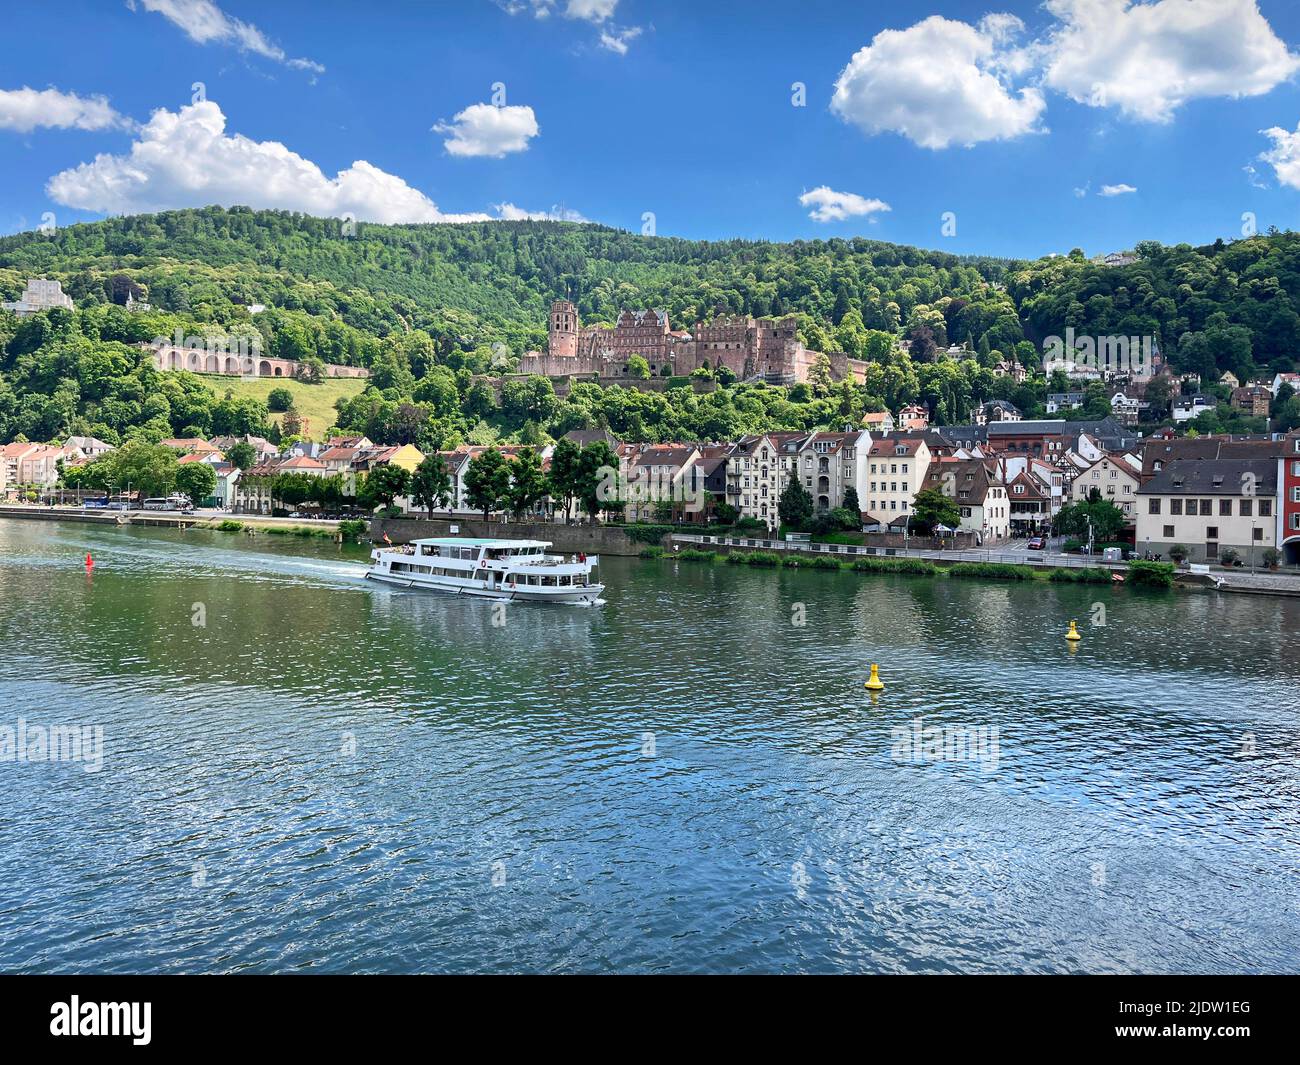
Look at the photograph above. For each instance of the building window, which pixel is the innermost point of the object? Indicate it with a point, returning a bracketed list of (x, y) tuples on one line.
[(1207, 507), (1211, 532), (1247, 507), (1225, 507), (1266, 508), (1169, 532), (1153, 506), (1175, 506), (1257, 534)]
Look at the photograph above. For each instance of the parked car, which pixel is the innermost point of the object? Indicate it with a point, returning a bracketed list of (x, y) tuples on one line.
[(1036, 543)]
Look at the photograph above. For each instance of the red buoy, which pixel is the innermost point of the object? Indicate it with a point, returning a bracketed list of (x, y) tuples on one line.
[(90, 562)]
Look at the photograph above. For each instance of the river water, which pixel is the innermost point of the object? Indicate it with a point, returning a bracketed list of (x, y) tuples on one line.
[(303, 772)]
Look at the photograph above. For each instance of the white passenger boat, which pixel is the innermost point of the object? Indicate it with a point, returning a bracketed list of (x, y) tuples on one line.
[(488, 569)]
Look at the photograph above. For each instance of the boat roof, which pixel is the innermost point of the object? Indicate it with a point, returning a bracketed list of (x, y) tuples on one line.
[(480, 541)]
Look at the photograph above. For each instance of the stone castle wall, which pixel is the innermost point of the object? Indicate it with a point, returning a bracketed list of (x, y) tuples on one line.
[(235, 364)]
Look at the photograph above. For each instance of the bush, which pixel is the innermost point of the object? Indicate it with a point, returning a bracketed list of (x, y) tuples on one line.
[(1229, 556), (652, 552), (1272, 557), (694, 554), (279, 399), (1001, 571), (1150, 574), (230, 526), (647, 534), (1072, 544), (825, 562), (750, 525), (1179, 553), (763, 558), (1088, 575), (912, 566), (352, 529)]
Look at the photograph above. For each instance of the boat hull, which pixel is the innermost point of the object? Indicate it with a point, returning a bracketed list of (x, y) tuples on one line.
[(584, 596)]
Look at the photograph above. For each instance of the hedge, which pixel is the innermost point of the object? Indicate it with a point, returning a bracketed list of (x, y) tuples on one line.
[(646, 534), (914, 566), (1082, 575), (1151, 574), (997, 570)]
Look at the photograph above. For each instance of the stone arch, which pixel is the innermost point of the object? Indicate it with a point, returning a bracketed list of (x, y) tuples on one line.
[(195, 361), (175, 359), (279, 372), (213, 364), (232, 364), (264, 368)]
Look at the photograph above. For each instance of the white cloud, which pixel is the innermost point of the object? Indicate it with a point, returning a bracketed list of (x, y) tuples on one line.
[(27, 109), (1080, 191), (591, 10), (618, 40), (508, 212), (831, 206), (186, 159), (482, 129), (1284, 156), (941, 82), (1148, 59), (597, 12), (204, 23), (1116, 190)]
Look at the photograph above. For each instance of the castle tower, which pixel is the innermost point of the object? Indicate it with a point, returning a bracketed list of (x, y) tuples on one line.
[(563, 329)]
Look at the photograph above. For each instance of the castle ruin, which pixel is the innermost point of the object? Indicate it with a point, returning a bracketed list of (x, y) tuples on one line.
[(751, 348)]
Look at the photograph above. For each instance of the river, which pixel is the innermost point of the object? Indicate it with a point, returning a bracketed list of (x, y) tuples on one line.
[(303, 772)]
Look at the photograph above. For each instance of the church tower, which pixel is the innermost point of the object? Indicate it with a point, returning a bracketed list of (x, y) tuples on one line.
[(563, 329)]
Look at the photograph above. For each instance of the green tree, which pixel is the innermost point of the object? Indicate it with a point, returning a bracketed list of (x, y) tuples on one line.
[(242, 455), (431, 486), (487, 482), (198, 480), (597, 479), (931, 508), (149, 469), (795, 505), (383, 484), (563, 475), (638, 367), (527, 482), (851, 503)]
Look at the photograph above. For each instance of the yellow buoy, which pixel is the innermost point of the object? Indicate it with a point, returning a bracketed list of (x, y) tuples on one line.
[(874, 683), (1073, 634)]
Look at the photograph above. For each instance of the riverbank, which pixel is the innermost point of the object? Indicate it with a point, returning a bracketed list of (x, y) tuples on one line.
[(987, 565), (250, 523)]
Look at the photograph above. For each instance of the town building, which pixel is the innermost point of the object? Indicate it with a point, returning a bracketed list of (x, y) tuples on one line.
[(981, 498), (1185, 408), (1208, 505), (1115, 479), (1288, 512), (752, 475), (995, 410), (897, 466), (1252, 399)]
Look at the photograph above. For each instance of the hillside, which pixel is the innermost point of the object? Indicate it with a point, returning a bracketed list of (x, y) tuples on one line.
[(427, 306)]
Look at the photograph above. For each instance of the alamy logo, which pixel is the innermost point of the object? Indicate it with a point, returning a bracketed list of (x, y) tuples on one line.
[(103, 1018), (1104, 354)]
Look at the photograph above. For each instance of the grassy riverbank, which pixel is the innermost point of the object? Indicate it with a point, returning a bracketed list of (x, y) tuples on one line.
[(1147, 574)]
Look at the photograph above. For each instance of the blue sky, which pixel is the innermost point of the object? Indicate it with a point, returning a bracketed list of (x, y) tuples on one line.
[(1040, 127)]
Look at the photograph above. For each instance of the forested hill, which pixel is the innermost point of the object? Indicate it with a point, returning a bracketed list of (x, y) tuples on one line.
[(429, 307), (480, 282), (1221, 306)]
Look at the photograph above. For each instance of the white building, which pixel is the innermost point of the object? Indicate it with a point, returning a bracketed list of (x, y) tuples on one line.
[(40, 295)]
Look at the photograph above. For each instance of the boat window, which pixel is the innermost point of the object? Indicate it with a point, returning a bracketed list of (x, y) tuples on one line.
[(548, 582), (426, 550), (564, 582)]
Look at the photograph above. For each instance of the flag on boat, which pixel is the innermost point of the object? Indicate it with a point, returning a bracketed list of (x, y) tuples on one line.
[(386, 539)]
